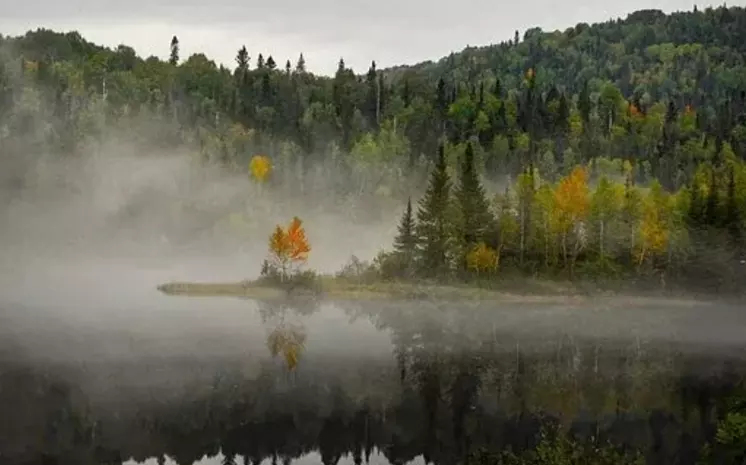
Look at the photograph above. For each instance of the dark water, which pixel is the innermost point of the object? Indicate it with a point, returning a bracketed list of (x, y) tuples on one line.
[(227, 381)]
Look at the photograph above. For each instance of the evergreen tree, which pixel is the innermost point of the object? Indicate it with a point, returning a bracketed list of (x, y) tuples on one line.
[(405, 243), (242, 59), (476, 219), (271, 63), (300, 67), (174, 57), (373, 95), (432, 221)]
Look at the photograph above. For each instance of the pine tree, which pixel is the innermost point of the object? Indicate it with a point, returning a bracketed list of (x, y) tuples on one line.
[(476, 219), (432, 221), (271, 63), (405, 243), (242, 59), (174, 58), (373, 94), (300, 67)]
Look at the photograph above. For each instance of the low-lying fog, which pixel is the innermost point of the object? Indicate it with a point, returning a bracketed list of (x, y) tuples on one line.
[(85, 242)]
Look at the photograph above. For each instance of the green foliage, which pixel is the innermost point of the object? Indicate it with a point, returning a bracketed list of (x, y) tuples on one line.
[(433, 224), (652, 97), (476, 219), (405, 243), (556, 448), (298, 280)]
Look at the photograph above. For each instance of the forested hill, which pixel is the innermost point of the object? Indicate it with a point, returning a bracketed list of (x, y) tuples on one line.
[(664, 92)]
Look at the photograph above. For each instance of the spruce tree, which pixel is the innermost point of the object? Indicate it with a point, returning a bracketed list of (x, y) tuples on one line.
[(300, 67), (405, 242), (174, 58), (476, 219), (432, 221), (271, 63), (242, 60)]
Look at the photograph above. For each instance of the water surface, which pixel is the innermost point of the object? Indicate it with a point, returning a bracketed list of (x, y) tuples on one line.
[(127, 375)]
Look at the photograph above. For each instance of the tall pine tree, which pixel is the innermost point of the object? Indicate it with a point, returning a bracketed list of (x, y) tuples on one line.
[(476, 219), (432, 222), (174, 56), (405, 243)]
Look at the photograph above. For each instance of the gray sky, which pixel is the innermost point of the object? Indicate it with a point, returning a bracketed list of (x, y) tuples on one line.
[(388, 31)]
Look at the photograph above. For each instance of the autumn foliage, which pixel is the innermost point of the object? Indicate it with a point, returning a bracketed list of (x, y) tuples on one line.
[(288, 247), (288, 340), (260, 167), (482, 259)]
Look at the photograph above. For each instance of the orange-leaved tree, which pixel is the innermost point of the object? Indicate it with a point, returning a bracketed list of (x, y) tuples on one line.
[(288, 247)]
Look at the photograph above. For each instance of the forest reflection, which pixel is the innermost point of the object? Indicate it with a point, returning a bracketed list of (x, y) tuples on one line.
[(446, 393)]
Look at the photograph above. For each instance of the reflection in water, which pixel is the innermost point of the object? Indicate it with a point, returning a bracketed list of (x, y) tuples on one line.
[(454, 387), (287, 337)]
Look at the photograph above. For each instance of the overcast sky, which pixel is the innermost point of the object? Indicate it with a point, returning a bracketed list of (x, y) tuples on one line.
[(388, 31)]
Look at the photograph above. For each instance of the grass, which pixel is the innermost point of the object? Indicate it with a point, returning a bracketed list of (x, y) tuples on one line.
[(335, 288)]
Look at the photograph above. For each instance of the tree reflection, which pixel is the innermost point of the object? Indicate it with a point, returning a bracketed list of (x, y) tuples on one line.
[(442, 395), (287, 337)]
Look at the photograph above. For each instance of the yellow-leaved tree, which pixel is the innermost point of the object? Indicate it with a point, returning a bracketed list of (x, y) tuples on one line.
[(482, 259), (653, 231), (260, 167), (572, 201), (288, 247)]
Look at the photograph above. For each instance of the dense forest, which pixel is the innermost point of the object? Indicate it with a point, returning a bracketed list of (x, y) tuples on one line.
[(603, 149)]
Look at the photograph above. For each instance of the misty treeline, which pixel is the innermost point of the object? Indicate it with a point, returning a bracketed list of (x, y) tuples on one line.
[(655, 103), (614, 228), (450, 397)]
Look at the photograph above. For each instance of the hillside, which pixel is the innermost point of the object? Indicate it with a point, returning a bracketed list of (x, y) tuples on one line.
[(690, 58), (653, 100)]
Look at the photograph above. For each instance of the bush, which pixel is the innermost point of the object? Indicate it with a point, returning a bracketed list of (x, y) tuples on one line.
[(299, 280), (358, 271)]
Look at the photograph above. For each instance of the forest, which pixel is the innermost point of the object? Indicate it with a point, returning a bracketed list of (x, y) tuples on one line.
[(607, 150)]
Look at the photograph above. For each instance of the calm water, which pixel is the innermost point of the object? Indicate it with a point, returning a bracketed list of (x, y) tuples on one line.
[(136, 377)]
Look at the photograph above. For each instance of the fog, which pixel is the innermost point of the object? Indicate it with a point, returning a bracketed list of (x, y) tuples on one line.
[(86, 239)]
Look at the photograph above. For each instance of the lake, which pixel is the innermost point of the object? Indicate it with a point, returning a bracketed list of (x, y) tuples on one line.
[(127, 375)]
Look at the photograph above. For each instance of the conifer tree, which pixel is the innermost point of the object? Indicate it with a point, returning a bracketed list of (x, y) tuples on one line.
[(242, 59), (271, 63), (174, 57), (300, 66), (405, 243), (432, 221), (476, 219)]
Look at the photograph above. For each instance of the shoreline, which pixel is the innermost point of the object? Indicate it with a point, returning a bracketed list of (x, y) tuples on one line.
[(528, 291)]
